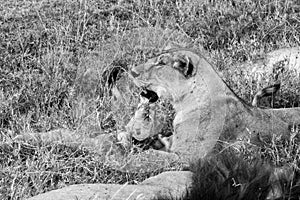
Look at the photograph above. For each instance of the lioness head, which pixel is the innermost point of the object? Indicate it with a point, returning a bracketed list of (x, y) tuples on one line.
[(168, 74)]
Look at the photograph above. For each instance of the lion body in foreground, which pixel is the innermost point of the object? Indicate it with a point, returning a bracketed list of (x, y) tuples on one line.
[(208, 112)]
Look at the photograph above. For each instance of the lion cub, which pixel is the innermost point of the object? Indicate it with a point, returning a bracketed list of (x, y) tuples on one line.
[(145, 129)]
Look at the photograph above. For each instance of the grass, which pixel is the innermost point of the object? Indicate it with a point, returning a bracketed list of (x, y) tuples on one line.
[(59, 58)]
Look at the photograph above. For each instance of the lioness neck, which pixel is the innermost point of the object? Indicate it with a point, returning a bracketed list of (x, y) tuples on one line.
[(209, 111), (201, 113)]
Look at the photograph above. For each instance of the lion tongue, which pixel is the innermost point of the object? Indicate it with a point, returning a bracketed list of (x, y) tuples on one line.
[(143, 100)]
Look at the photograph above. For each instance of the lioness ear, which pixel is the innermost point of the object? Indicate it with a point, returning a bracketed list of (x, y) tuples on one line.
[(185, 66), (171, 45)]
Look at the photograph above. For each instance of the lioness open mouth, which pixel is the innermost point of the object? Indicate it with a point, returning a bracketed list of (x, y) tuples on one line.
[(150, 95)]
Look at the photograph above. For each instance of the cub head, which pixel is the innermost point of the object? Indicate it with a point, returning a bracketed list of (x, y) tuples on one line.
[(169, 75)]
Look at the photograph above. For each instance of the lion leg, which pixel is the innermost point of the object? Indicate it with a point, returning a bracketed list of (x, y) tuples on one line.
[(288, 115), (146, 161), (102, 144)]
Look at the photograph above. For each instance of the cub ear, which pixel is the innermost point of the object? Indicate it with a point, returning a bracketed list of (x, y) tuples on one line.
[(185, 66)]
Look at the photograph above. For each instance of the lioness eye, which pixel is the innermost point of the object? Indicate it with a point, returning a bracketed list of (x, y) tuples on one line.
[(163, 60)]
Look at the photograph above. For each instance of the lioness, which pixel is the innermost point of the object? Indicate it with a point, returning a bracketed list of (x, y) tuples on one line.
[(208, 112)]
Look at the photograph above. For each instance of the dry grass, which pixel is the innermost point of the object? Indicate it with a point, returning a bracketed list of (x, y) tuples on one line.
[(56, 61)]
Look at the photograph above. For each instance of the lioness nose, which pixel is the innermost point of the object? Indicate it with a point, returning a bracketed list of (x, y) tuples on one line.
[(134, 73)]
